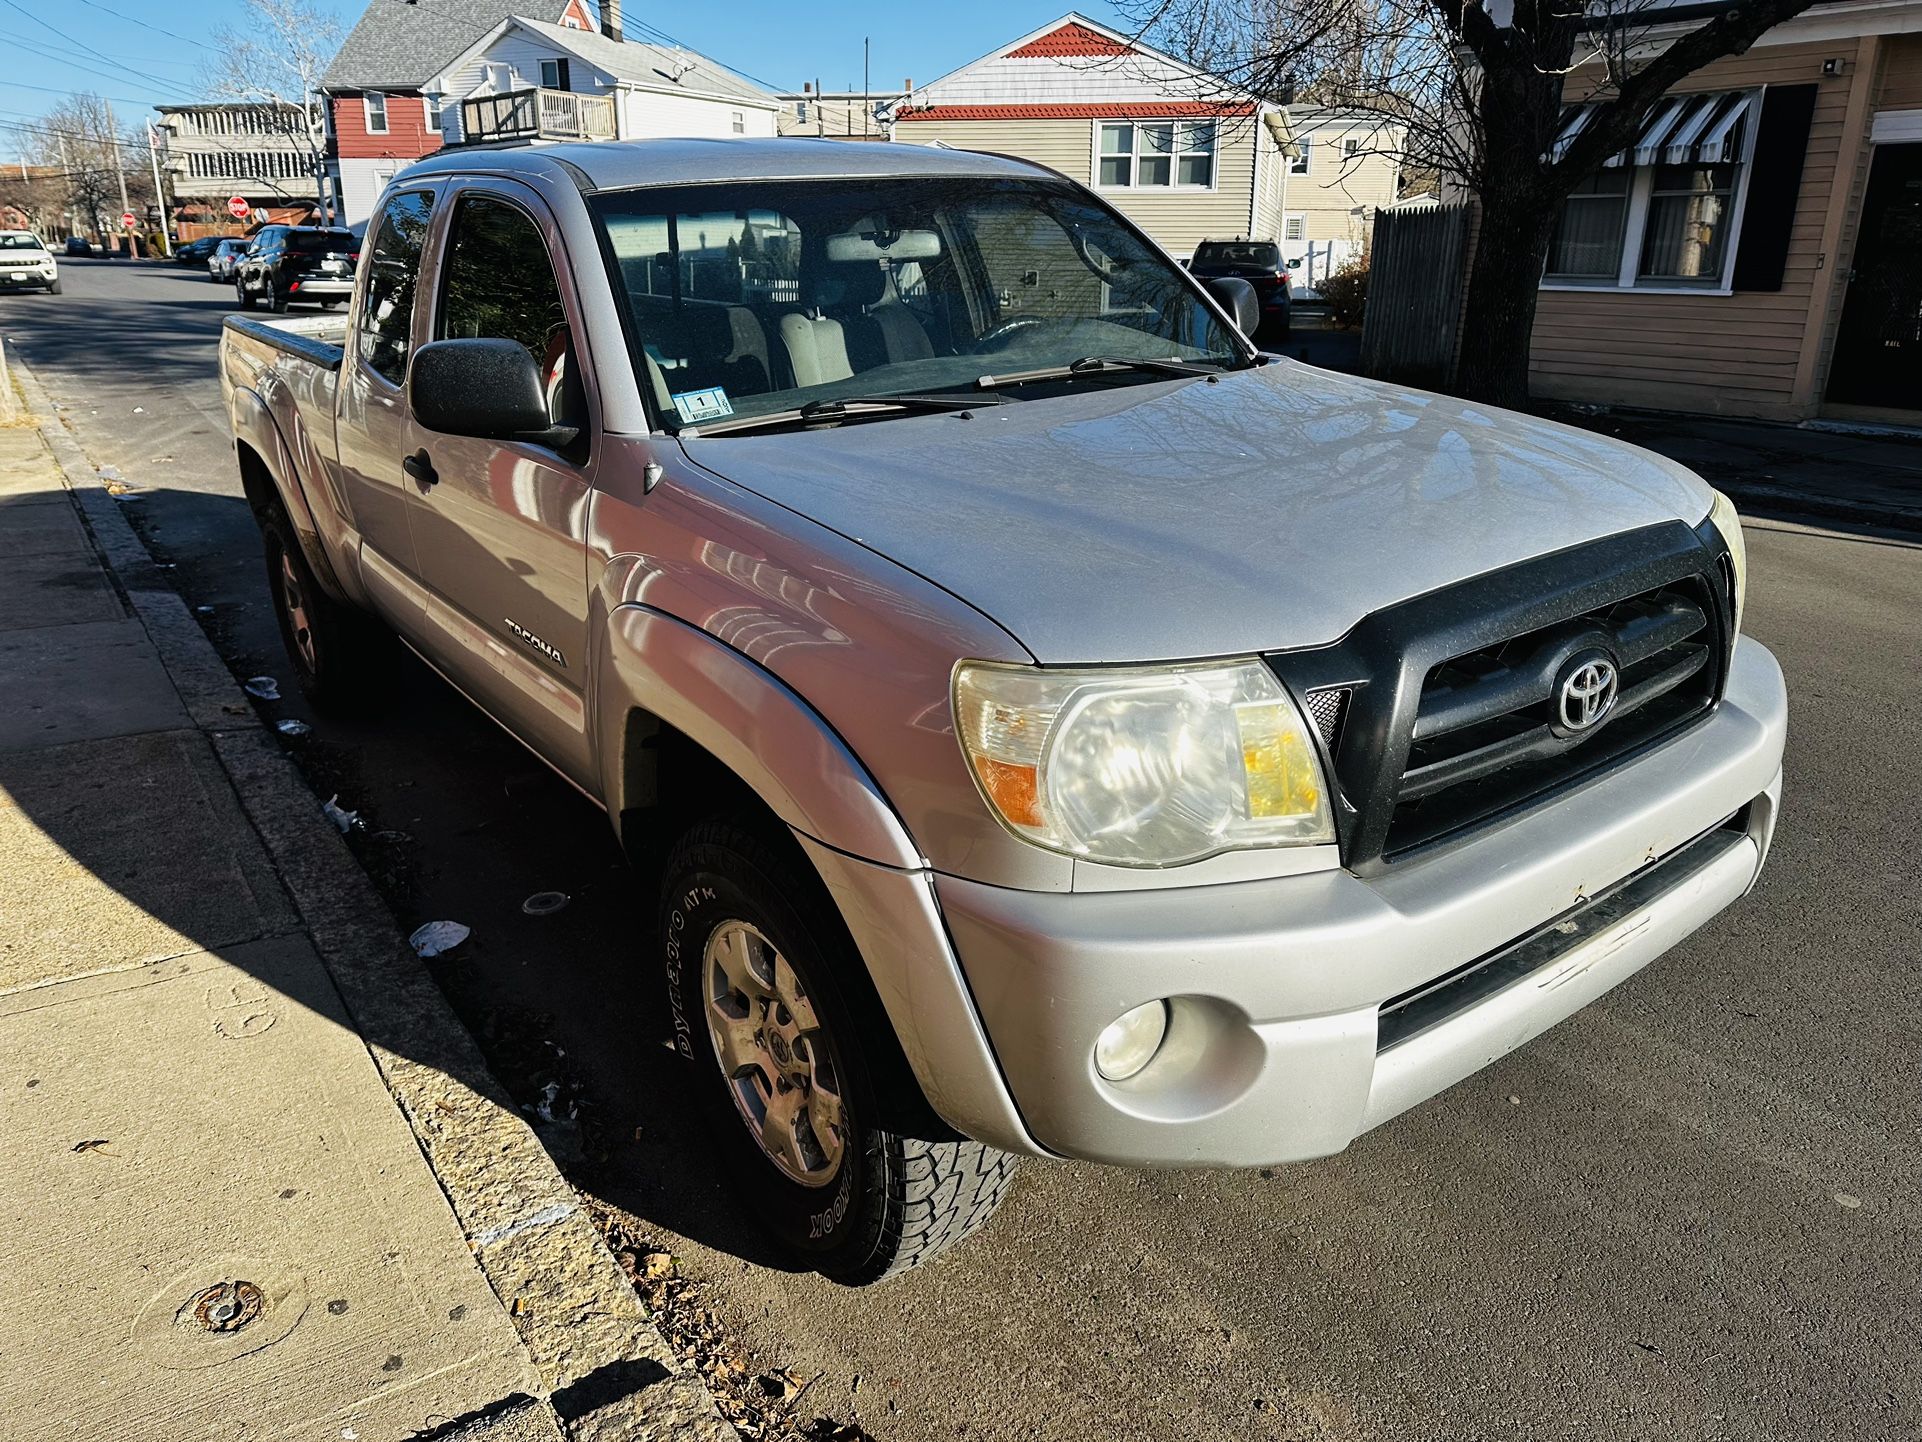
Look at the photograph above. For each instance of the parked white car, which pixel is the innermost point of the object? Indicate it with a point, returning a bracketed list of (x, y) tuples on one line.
[(27, 264)]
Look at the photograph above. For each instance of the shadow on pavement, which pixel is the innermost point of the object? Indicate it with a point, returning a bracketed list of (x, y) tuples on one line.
[(458, 823)]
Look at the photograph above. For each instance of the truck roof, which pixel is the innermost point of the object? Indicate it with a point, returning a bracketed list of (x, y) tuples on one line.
[(619, 164)]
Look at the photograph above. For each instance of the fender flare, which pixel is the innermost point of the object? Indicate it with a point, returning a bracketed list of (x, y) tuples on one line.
[(748, 720), (256, 428)]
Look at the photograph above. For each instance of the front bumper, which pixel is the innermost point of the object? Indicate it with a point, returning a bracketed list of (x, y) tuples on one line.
[(1276, 1051), (27, 277)]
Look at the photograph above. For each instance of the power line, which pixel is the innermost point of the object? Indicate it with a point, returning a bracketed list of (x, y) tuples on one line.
[(134, 20), (48, 53), (88, 49), (57, 90)]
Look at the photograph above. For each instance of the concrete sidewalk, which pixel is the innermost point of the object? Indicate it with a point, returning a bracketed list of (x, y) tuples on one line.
[(1864, 475), (255, 1181)]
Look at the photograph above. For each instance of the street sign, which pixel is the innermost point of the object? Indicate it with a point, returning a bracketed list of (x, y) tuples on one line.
[(260, 217), (237, 207), (126, 220)]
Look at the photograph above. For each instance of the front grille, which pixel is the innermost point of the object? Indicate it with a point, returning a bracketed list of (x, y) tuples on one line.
[(1487, 736), (1441, 714)]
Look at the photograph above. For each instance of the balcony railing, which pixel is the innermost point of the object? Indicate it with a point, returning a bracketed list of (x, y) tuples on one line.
[(538, 115)]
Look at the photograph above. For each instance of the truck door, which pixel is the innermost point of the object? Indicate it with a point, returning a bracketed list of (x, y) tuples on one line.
[(501, 527), (371, 403)]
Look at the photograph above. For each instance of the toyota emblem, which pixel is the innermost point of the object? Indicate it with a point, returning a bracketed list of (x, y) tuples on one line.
[(1586, 694)]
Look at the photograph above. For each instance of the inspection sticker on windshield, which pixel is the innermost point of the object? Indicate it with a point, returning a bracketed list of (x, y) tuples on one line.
[(707, 405)]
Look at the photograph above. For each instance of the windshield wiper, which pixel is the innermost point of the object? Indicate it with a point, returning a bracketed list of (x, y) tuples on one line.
[(1095, 364), (840, 408)]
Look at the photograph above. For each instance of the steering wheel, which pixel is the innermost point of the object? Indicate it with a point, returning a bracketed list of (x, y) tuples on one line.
[(997, 337)]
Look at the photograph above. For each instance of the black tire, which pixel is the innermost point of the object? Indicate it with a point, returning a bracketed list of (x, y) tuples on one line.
[(890, 1201), (276, 299), (340, 655), (242, 294), (53, 287)]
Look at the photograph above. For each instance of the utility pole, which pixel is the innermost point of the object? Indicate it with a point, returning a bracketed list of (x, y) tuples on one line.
[(119, 170), (159, 195), (867, 96)]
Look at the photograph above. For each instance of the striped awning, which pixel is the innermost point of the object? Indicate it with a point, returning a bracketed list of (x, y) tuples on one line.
[(1702, 129)]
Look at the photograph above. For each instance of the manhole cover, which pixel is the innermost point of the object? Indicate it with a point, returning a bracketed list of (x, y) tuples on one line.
[(544, 903), (227, 1306)]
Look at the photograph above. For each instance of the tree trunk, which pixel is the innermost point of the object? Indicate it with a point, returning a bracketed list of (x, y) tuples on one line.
[(1498, 315)]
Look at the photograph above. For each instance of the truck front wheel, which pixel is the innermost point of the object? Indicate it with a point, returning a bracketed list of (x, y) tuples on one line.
[(339, 655), (785, 1068)]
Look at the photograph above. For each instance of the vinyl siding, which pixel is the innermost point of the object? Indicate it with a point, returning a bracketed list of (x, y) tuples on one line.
[(646, 114), (1902, 74), (1734, 354), (407, 136), (1176, 219), (1339, 197)]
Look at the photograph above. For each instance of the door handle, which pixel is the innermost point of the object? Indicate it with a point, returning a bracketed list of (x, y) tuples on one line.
[(420, 470)]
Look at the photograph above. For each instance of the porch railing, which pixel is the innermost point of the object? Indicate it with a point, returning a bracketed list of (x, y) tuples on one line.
[(538, 114)]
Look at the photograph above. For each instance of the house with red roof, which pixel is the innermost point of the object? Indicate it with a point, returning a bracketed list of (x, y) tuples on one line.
[(1168, 145)]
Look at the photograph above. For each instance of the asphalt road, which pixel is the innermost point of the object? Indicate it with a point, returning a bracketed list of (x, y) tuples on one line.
[(1689, 1212)]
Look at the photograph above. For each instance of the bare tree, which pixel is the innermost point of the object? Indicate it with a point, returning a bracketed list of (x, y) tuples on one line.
[(1479, 90), (80, 139), (275, 59)]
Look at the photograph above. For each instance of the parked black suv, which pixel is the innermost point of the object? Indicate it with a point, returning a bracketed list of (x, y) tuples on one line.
[(1259, 263), (288, 263)]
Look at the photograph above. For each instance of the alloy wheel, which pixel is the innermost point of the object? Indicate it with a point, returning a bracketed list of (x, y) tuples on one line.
[(293, 600), (774, 1054)]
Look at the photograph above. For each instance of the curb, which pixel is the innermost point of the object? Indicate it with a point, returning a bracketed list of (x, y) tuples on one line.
[(607, 1371), (1782, 503)]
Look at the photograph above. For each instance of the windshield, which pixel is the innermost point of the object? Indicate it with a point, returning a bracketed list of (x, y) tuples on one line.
[(758, 297), (320, 242), (19, 240), (1268, 257)]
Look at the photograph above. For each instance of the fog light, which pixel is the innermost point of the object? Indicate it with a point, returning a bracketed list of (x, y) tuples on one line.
[(1130, 1042)]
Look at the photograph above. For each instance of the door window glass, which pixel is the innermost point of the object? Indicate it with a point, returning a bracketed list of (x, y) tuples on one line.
[(387, 309), (500, 284)]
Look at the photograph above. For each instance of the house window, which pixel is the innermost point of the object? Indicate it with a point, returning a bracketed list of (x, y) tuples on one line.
[(433, 103), (1663, 213), (1588, 237), (1298, 163), (801, 111), (1295, 227), (554, 75), (737, 122), (374, 105), (1157, 153), (1351, 148)]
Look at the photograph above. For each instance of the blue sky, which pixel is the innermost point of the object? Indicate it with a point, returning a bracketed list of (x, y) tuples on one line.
[(47, 49)]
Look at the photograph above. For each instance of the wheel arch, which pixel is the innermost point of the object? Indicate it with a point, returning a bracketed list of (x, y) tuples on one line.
[(268, 476)]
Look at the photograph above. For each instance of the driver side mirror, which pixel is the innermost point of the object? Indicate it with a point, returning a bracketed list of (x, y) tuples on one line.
[(486, 388), (1238, 298)]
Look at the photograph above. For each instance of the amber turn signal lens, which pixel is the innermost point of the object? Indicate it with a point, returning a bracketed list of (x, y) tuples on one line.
[(1014, 790)]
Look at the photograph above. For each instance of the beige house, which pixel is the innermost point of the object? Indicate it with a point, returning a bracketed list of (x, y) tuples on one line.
[(1346, 165), (1157, 138), (1759, 251), (837, 114)]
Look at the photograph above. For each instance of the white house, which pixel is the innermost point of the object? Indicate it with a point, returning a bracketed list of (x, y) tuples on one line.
[(528, 80), (1346, 165), (1169, 146)]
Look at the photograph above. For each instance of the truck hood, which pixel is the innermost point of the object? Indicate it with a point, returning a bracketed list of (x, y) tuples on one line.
[(1184, 519)]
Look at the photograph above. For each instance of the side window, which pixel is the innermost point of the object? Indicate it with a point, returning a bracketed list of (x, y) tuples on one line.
[(500, 284), (387, 309)]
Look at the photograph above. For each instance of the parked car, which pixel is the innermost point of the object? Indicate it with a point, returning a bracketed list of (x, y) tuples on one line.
[(79, 245), (27, 264), (1259, 262), (287, 263), (220, 261), (1058, 728), (195, 252)]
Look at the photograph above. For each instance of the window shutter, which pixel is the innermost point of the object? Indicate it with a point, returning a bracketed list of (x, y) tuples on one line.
[(566, 81), (1781, 145)]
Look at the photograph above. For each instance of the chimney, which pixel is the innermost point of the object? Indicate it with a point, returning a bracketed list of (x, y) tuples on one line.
[(611, 19)]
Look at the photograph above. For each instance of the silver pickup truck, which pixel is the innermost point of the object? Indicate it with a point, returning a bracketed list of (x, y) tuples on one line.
[(1059, 729)]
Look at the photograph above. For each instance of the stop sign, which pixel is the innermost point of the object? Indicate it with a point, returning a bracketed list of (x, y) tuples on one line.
[(126, 220), (237, 207)]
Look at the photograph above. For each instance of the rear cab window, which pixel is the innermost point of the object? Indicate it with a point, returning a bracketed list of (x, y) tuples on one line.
[(385, 325)]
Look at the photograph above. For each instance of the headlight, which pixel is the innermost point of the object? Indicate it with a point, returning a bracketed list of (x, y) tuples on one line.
[(1729, 523), (1143, 767)]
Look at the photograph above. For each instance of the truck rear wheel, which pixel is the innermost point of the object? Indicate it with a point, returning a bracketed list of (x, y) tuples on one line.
[(340, 655), (785, 1068)]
